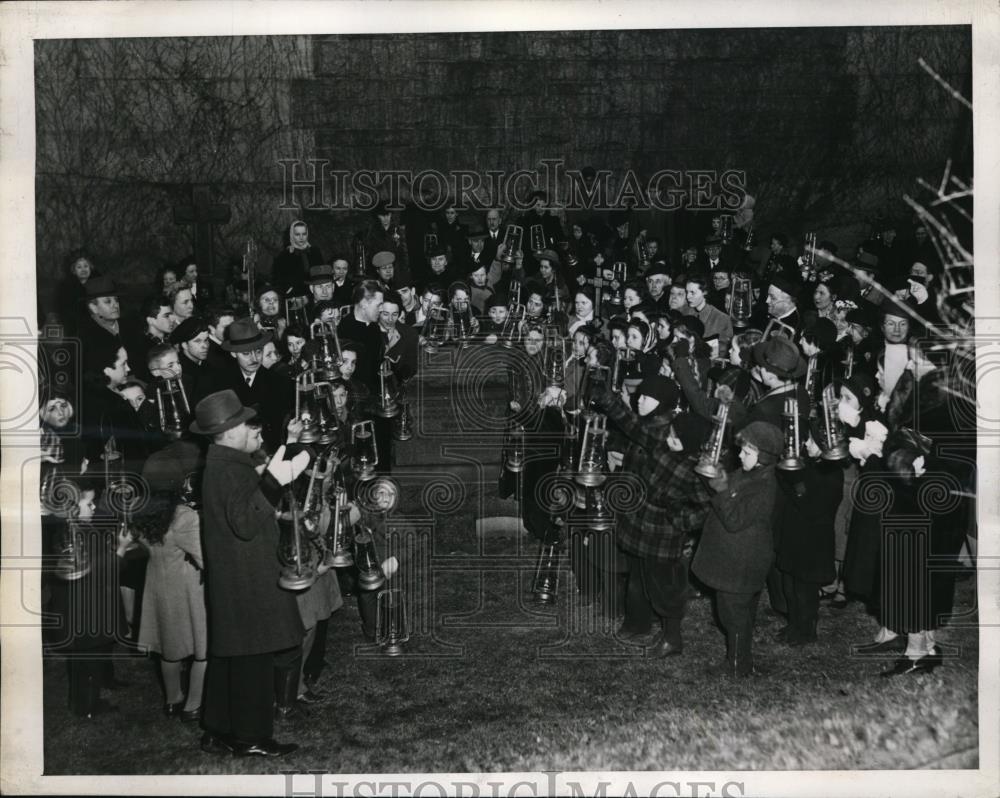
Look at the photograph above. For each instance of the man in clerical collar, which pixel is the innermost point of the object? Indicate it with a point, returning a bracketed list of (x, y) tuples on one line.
[(781, 303), (657, 283), (362, 325)]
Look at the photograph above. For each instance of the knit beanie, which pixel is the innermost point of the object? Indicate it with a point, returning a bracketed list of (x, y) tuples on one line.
[(766, 438)]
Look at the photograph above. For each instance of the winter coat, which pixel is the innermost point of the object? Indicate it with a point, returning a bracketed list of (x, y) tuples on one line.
[(248, 613), (737, 542), (676, 499), (804, 536), (173, 602)]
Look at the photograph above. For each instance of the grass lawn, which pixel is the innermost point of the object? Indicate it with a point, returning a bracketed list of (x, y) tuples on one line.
[(491, 682)]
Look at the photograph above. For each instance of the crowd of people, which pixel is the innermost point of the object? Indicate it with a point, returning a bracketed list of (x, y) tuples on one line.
[(754, 402)]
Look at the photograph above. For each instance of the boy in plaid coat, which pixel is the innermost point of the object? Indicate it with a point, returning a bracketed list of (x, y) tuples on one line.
[(662, 455)]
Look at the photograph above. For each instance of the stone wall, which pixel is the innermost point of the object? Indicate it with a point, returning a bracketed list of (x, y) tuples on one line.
[(829, 125)]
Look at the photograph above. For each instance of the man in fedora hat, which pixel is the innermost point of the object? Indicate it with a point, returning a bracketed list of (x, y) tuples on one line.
[(267, 392), (102, 326), (477, 251), (252, 621)]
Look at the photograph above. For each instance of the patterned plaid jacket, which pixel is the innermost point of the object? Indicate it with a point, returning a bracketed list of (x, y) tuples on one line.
[(677, 500)]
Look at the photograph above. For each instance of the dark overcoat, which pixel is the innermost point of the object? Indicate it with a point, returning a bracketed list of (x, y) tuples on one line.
[(247, 612), (737, 543), (804, 536)]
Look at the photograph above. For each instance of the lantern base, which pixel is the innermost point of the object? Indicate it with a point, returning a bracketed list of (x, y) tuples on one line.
[(308, 435), (393, 649), (370, 581), (709, 470), (591, 479), (545, 596), (838, 452), (388, 411), (293, 580), (339, 559), (790, 464), (403, 435)]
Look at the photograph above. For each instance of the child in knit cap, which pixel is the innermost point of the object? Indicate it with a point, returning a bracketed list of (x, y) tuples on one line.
[(737, 544)]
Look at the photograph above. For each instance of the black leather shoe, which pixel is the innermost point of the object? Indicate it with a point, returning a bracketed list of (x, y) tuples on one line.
[(190, 715), (265, 748), (904, 666), (173, 710), (211, 744), (897, 644), (661, 647)]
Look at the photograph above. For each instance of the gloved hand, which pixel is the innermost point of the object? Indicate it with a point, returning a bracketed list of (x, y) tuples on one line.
[(285, 471)]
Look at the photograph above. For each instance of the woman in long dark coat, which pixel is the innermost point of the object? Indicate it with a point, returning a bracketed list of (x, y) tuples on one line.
[(920, 558), (804, 542), (864, 538)]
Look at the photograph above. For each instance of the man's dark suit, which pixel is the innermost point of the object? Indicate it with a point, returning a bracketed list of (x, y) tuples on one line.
[(271, 395)]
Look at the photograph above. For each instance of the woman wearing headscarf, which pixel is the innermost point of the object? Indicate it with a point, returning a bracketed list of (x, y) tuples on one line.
[(291, 265)]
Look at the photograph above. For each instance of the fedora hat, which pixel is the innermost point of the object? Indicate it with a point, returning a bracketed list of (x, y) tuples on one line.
[(384, 258), (243, 335), (550, 255), (220, 411), (779, 356), (99, 286)]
